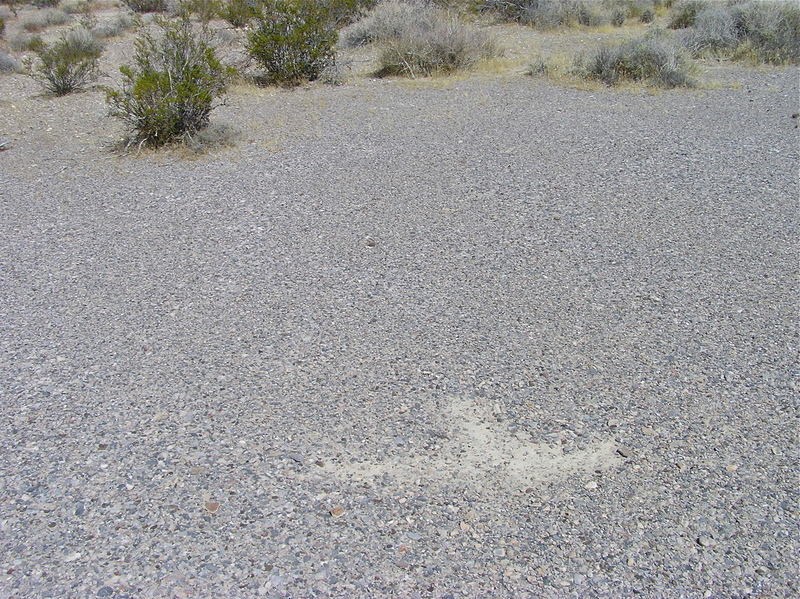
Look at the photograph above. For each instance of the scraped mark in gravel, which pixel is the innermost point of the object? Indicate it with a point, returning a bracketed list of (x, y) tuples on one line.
[(479, 448)]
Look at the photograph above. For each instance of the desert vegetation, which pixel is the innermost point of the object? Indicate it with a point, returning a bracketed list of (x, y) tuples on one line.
[(652, 58), (68, 64), (173, 85), (290, 42), (419, 39), (760, 32)]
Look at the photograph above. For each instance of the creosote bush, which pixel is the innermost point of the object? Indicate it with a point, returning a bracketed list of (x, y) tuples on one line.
[(68, 64), (173, 86), (344, 12), (239, 12), (205, 10), (143, 6), (685, 13), (653, 58), (292, 41)]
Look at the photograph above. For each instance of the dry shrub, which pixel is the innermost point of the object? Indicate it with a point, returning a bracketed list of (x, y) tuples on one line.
[(444, 48), (68, 64), (654, 58)]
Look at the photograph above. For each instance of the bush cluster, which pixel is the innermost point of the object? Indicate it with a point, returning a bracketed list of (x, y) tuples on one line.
[(68, 64), (555, 14), (172, 87), (757, 30)]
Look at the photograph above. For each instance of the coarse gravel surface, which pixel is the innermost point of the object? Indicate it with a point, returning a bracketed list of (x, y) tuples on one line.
[(478, 337)]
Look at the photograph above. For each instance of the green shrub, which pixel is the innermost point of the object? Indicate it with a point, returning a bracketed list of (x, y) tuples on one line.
[(344, 12), (143, 6), (45, 3), (618, 17), (648, 16), (173, 86), (292, 41), (2, 26), (205, 10), (78, 7), (68, 64), (239, 12), (685, 13), (445, 47), (654, 58)]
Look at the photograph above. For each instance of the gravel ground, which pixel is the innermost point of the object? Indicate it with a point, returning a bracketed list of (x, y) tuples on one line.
[(477, 338)]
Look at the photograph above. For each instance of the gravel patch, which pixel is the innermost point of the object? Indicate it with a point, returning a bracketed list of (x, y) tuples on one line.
[(484, 337)]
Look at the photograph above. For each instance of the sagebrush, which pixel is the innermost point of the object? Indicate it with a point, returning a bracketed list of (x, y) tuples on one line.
[(418, 39), (654, 58), (754, 30)]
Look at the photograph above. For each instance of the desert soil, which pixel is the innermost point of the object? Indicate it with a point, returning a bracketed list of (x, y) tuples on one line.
[(485, 336)]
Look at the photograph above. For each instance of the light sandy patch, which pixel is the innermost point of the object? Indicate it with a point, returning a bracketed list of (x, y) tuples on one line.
[(481, 450)]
